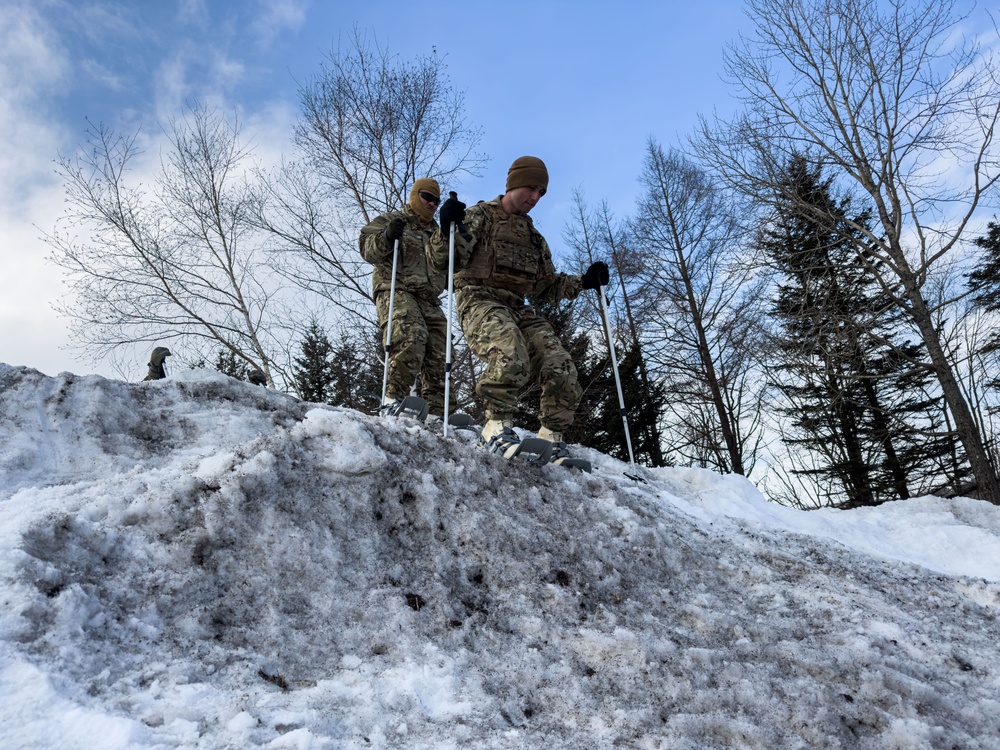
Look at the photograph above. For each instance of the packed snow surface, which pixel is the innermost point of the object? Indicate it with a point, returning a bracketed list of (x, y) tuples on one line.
[(202, 563)]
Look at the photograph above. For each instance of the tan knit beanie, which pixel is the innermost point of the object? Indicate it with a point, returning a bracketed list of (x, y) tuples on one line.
[(526, 171), (428, 185)]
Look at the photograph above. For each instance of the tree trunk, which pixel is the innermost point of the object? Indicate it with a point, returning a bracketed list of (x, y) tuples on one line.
[(988, 485), (652, 436), (712, 380), (882, 428)]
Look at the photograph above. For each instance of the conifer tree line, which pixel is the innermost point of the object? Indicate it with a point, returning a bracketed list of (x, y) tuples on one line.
[(805, 293)]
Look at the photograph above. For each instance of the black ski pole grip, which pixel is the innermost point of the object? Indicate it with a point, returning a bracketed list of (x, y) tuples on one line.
[(461, 226)]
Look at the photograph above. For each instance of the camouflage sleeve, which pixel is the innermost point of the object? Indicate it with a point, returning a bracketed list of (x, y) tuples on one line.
[(436, 249), (553, 286), (438, 245), (372, 242)]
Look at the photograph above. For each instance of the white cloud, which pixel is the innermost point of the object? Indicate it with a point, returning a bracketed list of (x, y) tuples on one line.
[(269, 131), (102, 23), (51, 51), (98, 73), (32, 63), (277, 16), (225, 71), (193, 12), (191, 75), (31, 56)]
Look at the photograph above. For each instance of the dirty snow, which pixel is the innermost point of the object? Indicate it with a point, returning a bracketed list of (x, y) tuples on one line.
[(202, 563)]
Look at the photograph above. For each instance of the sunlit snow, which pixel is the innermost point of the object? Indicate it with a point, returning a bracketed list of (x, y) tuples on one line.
[(203, 563)]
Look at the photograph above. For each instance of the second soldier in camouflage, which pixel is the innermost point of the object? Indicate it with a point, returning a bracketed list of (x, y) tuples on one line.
[(419, 326)]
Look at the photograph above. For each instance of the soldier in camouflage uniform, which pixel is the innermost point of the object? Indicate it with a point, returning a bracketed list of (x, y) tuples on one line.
[(505, 261), (419, 326)]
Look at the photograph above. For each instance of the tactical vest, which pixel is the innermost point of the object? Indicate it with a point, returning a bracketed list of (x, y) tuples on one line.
[(413, 274), (508, 253)]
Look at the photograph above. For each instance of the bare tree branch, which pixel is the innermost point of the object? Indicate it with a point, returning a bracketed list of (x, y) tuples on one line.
[(180, 261)]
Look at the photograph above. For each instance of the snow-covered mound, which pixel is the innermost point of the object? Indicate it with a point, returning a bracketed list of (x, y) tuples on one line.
[(203, 563)]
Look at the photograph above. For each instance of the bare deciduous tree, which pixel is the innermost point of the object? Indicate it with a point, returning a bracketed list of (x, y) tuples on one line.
[(372, 124), (706, 320), (599, 236), (315, 240), (891, 96), (178, 260)]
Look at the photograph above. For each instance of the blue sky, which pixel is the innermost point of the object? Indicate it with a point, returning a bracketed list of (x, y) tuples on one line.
[(582, 85)]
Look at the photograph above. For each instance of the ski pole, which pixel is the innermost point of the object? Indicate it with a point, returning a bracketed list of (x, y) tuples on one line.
[(388, 327), (618, 380), (447, 357), (451, 298)]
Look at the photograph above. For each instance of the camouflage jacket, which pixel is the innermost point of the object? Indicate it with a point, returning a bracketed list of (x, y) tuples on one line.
[(506, 252), (413, 273)]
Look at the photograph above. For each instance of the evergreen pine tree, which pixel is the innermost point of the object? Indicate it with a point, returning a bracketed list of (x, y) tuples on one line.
[(313, 369), (644, 403), (855, 397), (356, 374), (985, 280), (229, 364)]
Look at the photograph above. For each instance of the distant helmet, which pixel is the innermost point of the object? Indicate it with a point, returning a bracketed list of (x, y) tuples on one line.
[(160, 353)]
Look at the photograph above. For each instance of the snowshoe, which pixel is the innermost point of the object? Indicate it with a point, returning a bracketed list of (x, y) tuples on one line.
[(506, 443), (460, 427), (413, 407), (461, 421), (636, 477), (533, 451), (560, 455)]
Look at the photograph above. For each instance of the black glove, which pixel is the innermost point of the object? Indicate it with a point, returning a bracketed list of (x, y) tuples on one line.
[(452, 210), (597, 275), (394, 230)]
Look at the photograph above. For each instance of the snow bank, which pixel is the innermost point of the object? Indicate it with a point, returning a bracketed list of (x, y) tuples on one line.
[(203, 563)]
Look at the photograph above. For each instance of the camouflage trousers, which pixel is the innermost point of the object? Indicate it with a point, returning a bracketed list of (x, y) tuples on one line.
[(519, 347), (419, 330)]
